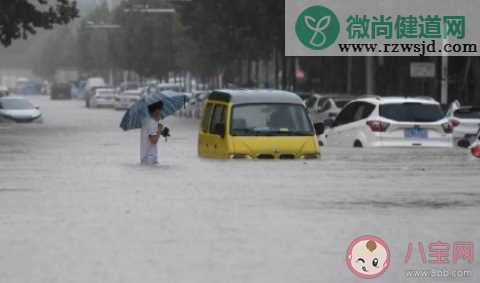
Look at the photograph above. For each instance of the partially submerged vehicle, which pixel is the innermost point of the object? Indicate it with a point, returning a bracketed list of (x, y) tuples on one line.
[(18, 109), (257, 124)]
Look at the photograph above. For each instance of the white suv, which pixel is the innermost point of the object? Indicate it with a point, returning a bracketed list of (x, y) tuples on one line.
[(373, 121), (465, 121), (323, 107)]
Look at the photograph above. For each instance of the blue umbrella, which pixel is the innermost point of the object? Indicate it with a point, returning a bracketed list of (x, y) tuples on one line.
[(134, 117)]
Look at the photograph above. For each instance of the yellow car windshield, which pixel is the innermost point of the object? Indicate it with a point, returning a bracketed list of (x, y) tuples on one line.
[(270, 120)]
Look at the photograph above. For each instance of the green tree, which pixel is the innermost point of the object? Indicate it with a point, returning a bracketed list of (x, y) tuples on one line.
[(94, 43), (230, 32), (147, 43), (20, 18), (56, 50)]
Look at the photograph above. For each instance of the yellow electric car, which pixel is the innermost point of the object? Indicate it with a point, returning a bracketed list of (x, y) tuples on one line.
[(257, 124)]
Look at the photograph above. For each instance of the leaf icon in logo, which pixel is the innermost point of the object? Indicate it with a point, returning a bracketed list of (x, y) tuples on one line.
[(323, 23), (318, 38), (310, 22)]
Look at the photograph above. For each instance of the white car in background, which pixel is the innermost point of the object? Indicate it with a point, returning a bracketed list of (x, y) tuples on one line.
[(103, 97), (323, 107), (169, 86), (194, 106), (18, 109), (126, 99), (201, 99), (4, 91), (90, 87), (129, 85), (374, 121), (94, 82), (465, 121)]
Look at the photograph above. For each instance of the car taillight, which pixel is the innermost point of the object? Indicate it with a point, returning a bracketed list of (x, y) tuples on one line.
[(476, 151), (378, 126), (447, 127), (454, 123)]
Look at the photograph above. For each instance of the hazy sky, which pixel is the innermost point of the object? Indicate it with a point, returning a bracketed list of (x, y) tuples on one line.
[(17, 55)]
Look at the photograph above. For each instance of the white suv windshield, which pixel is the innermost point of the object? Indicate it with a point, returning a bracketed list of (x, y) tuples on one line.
[(270, 120), (412, 112)]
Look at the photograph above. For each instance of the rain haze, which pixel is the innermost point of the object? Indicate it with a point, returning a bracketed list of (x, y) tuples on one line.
[(173, 141)]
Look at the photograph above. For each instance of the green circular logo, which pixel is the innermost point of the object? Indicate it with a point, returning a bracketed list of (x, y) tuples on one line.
[(317, 27)]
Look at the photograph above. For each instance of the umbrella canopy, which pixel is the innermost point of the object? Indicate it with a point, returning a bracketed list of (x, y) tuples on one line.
[(134, 117)]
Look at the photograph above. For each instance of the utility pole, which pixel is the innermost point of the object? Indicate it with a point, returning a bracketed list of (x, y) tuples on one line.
[(444, 94), (145, 9), (349, 74), (370, 74), (100, 26)]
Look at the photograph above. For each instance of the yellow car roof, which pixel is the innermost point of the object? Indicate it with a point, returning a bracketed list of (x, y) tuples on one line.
[(249, 96)]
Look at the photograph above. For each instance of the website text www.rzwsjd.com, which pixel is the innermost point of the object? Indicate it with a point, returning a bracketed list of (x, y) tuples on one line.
[(423, 48)]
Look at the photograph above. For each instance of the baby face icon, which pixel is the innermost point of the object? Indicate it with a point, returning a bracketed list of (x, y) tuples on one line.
[(368, 257)]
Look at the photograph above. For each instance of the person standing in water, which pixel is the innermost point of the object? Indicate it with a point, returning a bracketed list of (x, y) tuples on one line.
[(151, 132)]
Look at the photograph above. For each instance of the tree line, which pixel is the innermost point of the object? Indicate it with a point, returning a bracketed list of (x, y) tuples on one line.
[(212, 39), (223, 42)]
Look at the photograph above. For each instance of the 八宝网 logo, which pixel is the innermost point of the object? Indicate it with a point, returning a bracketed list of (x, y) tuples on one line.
[(368, 257)]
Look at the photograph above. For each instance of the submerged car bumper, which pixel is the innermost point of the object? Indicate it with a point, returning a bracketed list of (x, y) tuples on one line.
[(104, 103), (123, 105), (296, 147), (445, 143), (120, 106), (20, 119), (272, 156), (464, 135)]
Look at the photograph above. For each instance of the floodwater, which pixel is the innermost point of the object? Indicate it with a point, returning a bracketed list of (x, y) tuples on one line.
[(75, 206)]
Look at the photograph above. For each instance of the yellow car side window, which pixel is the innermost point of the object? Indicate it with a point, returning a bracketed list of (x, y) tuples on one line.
[(218, 119), (206, 118)]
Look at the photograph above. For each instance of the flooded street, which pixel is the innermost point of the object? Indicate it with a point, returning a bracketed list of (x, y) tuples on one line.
[(76, 206)]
